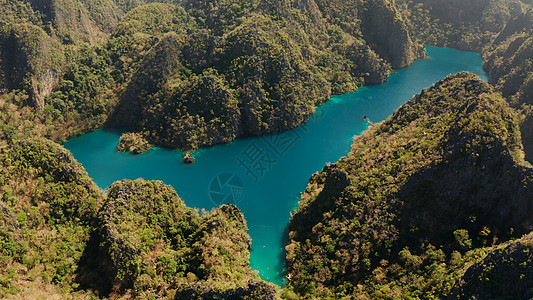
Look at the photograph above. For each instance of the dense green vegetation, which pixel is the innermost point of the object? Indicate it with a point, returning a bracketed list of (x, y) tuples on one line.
[(154, 68), (63, 237), (156, 245), (399, 216), (30, 60), (467, 25), (185, 76), (510, 60), (501, 30), (48, 209), (133, 142), (406, 214), (60, 236), (409, 207), (506, 270), (262, 67)]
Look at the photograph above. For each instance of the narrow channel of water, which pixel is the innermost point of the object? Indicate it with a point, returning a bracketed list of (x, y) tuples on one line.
[(265, 175)]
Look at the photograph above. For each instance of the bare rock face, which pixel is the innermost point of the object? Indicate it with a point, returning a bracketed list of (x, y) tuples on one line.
[(9, 228), (31, 60), (76, 22), (311, 7), (508, 61), (42, 86), (526, 128)]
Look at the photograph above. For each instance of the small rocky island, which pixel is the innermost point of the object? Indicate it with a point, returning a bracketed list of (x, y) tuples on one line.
[(188, 158), (134, 143)]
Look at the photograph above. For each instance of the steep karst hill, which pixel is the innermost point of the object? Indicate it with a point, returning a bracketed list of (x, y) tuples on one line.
[(148, 67), (500, 30), (433, 202), (63, 237), (416, 198), (48, 209), (152, 245), (267, 64)]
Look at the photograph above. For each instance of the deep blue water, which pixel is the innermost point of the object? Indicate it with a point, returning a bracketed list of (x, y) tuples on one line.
[(265, 175)]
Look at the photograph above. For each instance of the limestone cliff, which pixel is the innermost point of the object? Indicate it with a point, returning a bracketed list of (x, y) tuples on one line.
[(29, 59)]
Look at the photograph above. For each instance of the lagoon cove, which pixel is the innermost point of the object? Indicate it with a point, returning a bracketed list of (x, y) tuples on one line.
[(264, 176)]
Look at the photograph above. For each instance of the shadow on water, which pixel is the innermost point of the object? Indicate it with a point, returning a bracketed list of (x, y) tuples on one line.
[(282, 264)]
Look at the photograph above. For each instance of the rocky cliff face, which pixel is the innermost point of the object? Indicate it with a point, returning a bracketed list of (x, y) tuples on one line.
[(380, 23), (75, 22), (500, 30), (445, 173), (526, 128), (508, 61), (467, 25), (30, 60)]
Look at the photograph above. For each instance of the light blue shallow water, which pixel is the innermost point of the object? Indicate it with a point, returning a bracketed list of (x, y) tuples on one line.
[(265, 175)]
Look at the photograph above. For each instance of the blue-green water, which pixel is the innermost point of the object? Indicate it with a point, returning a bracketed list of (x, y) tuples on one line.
[(269, 172)]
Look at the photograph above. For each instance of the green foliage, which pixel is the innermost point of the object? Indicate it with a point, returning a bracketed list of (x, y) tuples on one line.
[(504, 273), (47, 210), (384, 220), (273, 61), (59, 232), (155, 243), (15, 11), (510, 60), (273, 65), (462, 239), (497, 29), (220, 16), (207, 72), (155, 19), (133, 142), (500, 30), (470, 26), (30, 59)]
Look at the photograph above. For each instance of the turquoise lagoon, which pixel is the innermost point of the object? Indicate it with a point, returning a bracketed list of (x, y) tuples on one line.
[(265, 175)]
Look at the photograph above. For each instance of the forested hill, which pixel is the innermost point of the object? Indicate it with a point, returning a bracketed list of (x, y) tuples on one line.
[(502, 31), (434, 202), (61, 237), (418, 200), (262, 66)]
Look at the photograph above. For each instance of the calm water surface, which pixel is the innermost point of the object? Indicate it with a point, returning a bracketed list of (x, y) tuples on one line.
[(265, 175)]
